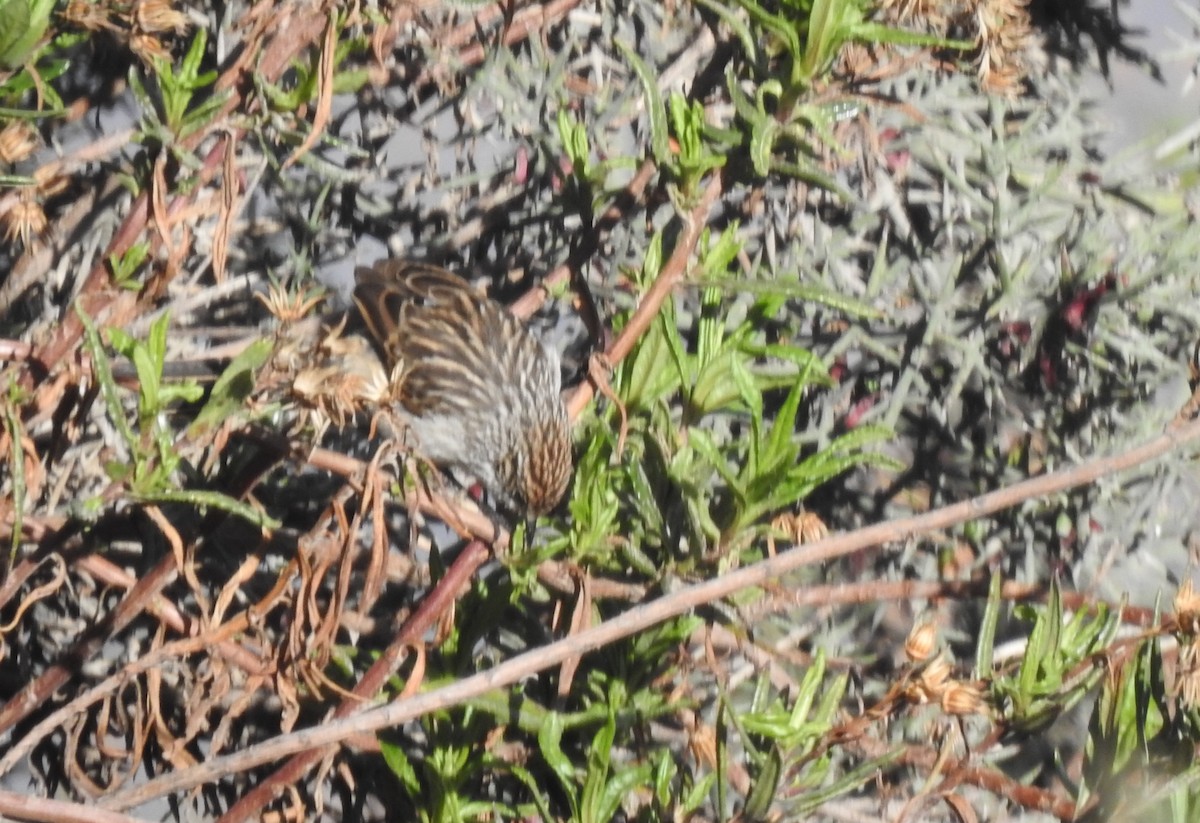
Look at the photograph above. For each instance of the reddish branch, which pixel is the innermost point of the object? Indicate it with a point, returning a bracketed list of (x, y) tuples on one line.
[(650, 614), (432, 607), (275, 36)]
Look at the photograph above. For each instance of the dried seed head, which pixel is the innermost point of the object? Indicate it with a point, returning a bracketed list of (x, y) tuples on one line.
[(159, 16), (344, 377), (962, 699), (88, 14), (148, 48), (478, 390), (930, 682), (17, 141), (1003, 34), (289, 307), (921, 642), (24, 219), (1187, 674), (1187, 608)]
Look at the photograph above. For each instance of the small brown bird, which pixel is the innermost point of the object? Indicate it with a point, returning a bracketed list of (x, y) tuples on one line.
[(478, 390)]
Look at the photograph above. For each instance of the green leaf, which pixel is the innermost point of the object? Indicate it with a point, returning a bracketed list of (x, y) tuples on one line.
[(188, 391), (126, 265), (702, 442), (779, 439), (766, 786), (660, 144), (550, 745), (26, 114), (850, 781), (22, 24), (156, 342), (16, 471), (789, 286), (710, 329), (747, 389), (575, 144), (869, 32), (684, 374), (829, 23), (177, 89), (14, 25), (596, 800), (202, 499), (715, 387), (777, 25), (231, 389), (695, 158), (716, 258), (645, 376), (809, 687), (398, 762), (102, 371), (149, 377), (809, 173), (1125, 718), (987, 629), (762, 143)]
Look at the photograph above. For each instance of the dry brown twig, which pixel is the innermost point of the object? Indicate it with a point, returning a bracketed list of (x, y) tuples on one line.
[(22, 806), (220, 636), (119, 308), (650, 614), (440, 599), (432, 607)]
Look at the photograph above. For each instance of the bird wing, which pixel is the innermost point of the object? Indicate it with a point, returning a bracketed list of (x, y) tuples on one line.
[(388, 292)]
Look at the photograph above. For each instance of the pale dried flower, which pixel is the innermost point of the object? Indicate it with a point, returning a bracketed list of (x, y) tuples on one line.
[(476, 388), (88, 14), (1003, 36), (24, 219), (962, 699), (702, 743), (921, 641), (930, 682), (158, 16), (1187, 609), (802, 527), (18, 140), (148, 48), (343, 378), (286, 306), (1187, 674)]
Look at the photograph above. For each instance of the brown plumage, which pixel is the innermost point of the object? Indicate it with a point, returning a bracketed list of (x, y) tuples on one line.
[(479, 391)]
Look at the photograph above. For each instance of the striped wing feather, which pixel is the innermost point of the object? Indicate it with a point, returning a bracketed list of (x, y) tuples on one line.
[(481, 391), (457, 348)]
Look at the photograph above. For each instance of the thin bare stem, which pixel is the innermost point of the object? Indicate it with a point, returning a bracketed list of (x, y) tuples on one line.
[(642, 617)]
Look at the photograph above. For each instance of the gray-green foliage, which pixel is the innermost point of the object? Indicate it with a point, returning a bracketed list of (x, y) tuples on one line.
[(982, 298)]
